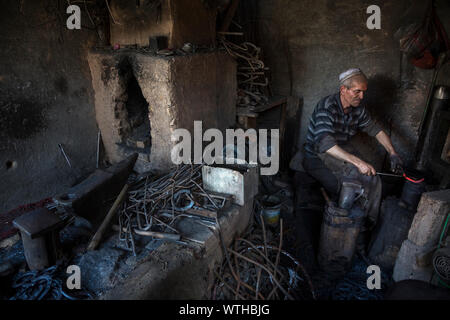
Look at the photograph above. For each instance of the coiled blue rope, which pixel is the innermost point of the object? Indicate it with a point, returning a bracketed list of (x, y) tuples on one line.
[(42, 285), (354, 285)]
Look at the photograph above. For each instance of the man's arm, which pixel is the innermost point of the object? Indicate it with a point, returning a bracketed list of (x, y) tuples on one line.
[(341, 154), (396, 161), (386, 142)]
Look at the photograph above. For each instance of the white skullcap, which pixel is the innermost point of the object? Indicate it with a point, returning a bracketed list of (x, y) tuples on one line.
[(349, 74)]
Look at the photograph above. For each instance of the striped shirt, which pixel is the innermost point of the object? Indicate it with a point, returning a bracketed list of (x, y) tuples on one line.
[(330, 126)]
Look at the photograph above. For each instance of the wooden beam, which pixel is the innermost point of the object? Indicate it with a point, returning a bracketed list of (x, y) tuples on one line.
[(229, 16)]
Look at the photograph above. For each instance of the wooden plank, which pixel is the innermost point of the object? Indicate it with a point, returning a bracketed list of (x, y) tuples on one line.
[(246, 112), (273, 102)]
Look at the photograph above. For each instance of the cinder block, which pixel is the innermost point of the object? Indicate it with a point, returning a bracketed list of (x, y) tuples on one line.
[(428, 221), (407, 265)]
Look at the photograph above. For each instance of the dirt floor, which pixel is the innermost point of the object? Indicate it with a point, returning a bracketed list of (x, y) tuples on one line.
[(301, 214)]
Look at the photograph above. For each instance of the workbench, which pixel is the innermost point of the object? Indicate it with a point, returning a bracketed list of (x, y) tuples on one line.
[(247, 115)]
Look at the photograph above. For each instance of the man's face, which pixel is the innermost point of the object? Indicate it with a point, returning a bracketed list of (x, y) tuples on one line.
[(355, 94)]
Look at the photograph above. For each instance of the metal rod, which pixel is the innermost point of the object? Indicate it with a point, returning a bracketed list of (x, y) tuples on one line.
[(265, 269), (98, 149), (231, 33), (389, 175), (64, 154)]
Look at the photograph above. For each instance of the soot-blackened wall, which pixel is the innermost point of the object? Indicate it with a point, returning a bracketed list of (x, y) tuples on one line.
[(311, 41), (45, 99)]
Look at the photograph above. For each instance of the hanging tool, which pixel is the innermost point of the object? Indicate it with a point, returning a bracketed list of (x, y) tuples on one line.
[(64, 154), (441, 61), (98, 149)]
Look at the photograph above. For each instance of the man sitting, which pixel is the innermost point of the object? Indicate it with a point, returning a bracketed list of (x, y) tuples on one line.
[(328, 155)]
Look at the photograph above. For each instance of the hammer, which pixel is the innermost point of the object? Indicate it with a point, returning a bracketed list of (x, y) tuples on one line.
[(327, 199)]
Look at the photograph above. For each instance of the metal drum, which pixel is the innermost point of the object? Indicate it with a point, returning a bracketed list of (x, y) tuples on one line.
[(340, 229), (412, 189)]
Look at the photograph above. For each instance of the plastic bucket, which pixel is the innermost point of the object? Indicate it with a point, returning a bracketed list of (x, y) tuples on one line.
[(270, 209)]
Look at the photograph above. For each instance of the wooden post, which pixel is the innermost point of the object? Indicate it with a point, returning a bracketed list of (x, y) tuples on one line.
[(229, 16)]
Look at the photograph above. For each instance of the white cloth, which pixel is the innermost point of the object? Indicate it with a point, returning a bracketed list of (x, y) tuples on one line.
[(349, 73)]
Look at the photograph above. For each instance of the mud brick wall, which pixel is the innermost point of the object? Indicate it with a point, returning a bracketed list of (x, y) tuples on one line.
[(179, 90), (180, 21)]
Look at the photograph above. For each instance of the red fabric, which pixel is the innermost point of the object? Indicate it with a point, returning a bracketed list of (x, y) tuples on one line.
[(427, 61), (426, 42)]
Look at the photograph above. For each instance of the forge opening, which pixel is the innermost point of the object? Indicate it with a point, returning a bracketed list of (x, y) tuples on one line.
[(137, 106), (137, 135)]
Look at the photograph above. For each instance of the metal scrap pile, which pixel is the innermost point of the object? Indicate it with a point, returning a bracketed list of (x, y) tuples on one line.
[(252, 79), (258, 269), (154, 204)]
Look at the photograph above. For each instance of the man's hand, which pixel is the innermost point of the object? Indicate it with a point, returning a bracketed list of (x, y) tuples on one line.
[(396, 163), (365, 168)]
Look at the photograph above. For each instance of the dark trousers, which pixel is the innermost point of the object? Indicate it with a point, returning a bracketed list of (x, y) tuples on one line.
[(331, 172), (315, 167)]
